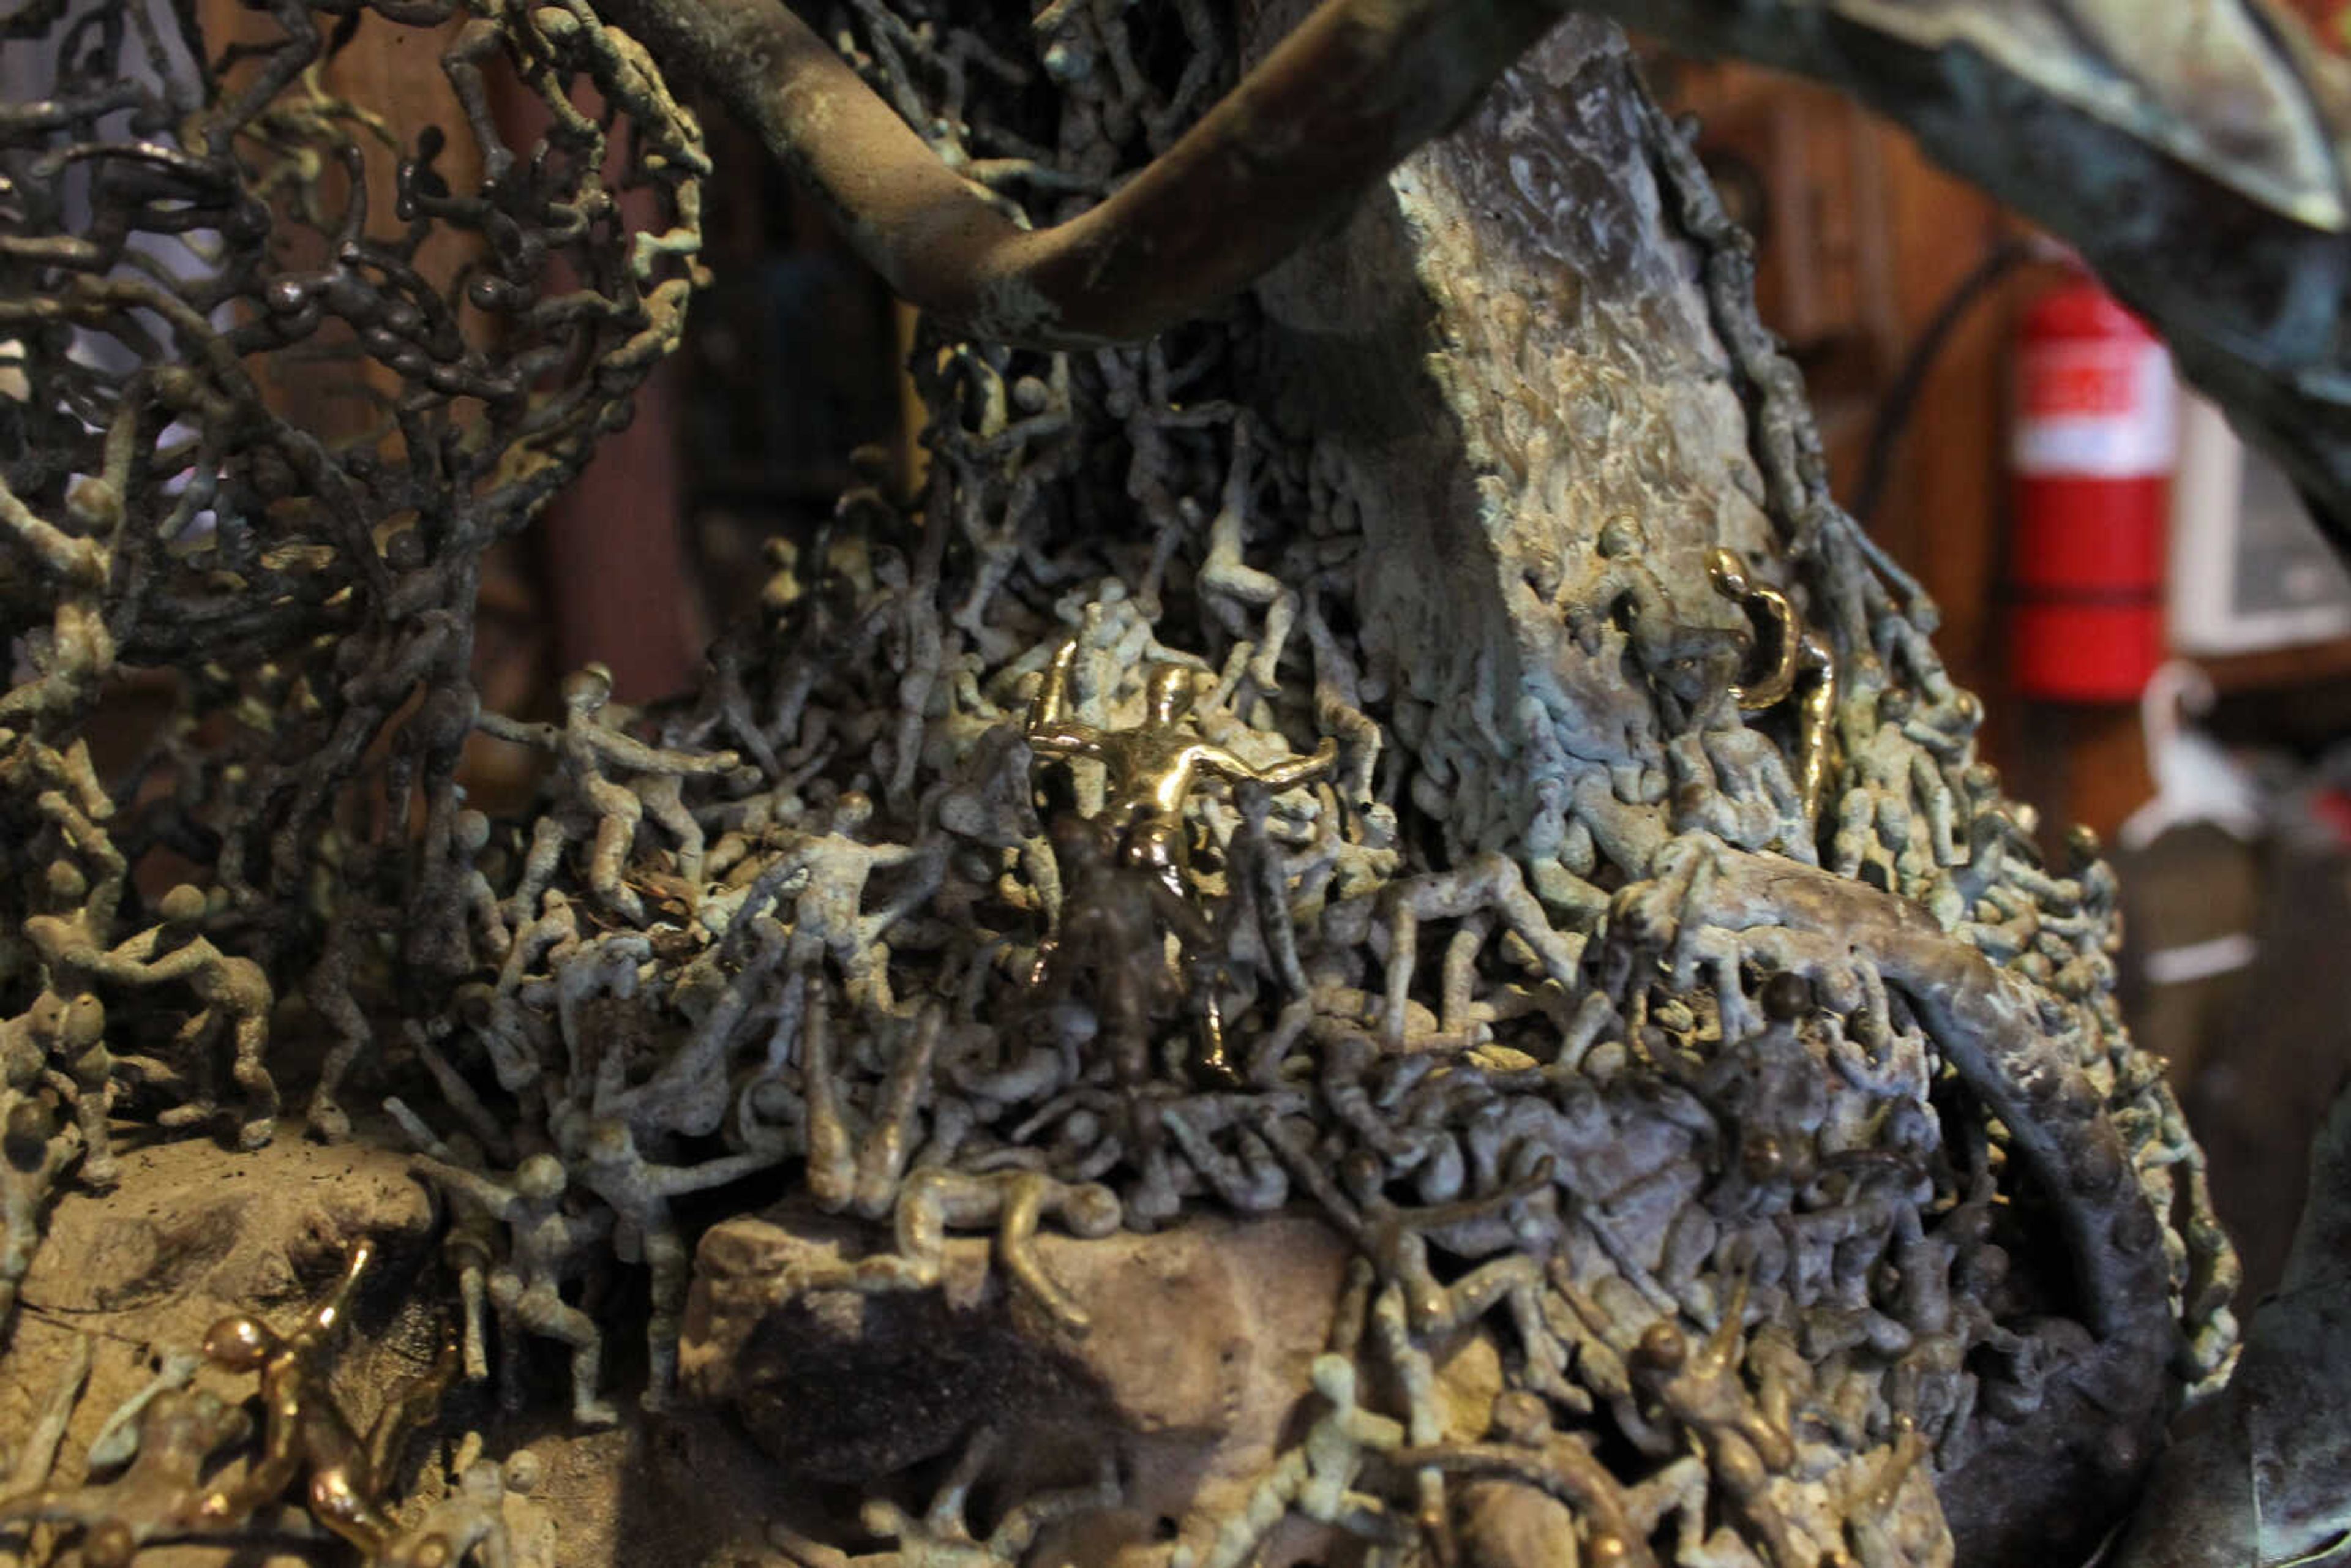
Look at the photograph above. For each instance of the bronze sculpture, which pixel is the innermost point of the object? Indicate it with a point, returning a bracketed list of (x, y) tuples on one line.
[(1644, 914)]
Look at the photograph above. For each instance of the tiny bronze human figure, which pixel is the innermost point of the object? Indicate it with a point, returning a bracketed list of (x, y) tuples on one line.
[(71, 662), (77, 1046), (1779, 682), (941, 1535), (1398, 1238), (332, 988), (1115, 918), (863, 1175), (1868, 1491), (1816, 735), (1152, 766), (234, 990), (600, 766), (303, 1428), (34, 1153), (1014, 1202), (66, 1019), (545, 1243), (470, 1247), (1522, 1419), (179, 1432), (1700, 1388), (638, 1192), (470, 1523), (828, 916), (1316, 1478)]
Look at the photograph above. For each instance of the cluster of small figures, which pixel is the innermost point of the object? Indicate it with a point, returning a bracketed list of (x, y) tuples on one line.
[(1529, 1492), (60, 1077), (165, 1440), (1126, 894), (1131, 940), (1124, 870), (1534, 1490)]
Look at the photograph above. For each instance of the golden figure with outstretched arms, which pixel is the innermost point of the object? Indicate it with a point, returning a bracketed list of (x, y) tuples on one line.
[(1154, 765)]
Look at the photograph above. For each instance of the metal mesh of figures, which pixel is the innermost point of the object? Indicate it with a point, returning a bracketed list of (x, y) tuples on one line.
[(1606, 1107)]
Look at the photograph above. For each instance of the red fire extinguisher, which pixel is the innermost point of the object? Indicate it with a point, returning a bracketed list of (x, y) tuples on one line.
[(2095, 429)]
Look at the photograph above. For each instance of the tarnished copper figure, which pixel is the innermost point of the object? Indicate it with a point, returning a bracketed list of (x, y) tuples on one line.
[(1699, 1388)]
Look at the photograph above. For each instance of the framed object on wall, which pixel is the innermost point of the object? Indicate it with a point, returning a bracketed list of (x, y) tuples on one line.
[(2249, 567)]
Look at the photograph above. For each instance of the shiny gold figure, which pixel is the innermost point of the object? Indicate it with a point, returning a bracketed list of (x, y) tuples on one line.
[(1152, 766), (302, 1426), (1816, 733), (1799, 658)]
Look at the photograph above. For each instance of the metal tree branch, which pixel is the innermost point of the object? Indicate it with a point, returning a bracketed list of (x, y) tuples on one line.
[(2195, 155), (2269, 1480), (1358, 86), (2199, 165)]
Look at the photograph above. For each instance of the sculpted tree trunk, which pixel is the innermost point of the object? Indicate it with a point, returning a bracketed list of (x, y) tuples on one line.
[(1500, 482)]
